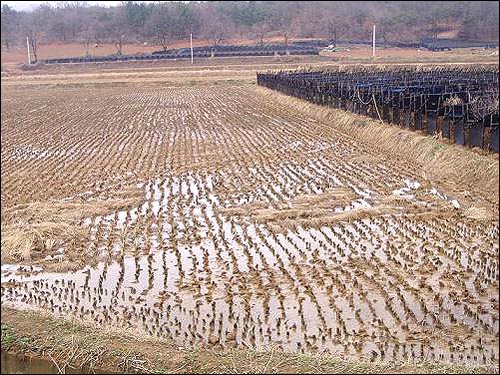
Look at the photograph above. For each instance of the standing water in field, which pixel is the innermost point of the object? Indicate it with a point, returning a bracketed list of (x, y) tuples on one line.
[(250, 232)]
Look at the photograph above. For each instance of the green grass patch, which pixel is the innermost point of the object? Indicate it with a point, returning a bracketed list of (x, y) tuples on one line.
[(8, 337)]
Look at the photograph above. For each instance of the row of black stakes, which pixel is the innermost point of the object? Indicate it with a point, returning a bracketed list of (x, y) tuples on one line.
[(413, 100), (147, 57)]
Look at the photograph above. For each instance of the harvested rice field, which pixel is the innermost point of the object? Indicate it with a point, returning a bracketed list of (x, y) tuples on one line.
[(224, 216)]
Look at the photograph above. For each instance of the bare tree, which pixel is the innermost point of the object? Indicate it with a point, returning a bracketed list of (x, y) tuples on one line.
[(33, 26), (87, 37), (260, 30), (308, 22), (335, 23), (280, 17), (165, 22), (161, 25), (9, 26), (119, 44), (214, 24), (117, 28)]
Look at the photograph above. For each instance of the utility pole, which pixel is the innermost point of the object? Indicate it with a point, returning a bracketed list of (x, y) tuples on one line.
[(29, 54), (191, 39), (373, 48)]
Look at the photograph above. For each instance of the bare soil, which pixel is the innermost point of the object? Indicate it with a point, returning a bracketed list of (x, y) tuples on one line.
[(18, 55)]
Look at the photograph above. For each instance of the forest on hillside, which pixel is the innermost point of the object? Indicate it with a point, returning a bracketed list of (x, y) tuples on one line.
[(162, 23)]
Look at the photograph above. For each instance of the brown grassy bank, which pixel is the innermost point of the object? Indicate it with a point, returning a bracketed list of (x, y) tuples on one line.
[(74, 344)]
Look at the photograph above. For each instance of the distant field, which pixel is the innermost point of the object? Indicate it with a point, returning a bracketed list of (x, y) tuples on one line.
[(17, 54)]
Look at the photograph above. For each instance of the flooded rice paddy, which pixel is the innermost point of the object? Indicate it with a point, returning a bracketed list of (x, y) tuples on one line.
[(259, 228)]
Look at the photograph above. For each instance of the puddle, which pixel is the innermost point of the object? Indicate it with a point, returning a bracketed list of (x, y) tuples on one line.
[(20, 364)]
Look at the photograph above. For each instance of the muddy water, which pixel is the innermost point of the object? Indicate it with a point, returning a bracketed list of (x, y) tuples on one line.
[(18, 364), (390, 286)]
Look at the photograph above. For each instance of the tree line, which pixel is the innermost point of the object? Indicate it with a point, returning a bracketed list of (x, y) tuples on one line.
[(162, 23)]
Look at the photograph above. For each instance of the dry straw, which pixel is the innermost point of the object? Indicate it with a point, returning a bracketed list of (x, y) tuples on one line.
[(32, 231)]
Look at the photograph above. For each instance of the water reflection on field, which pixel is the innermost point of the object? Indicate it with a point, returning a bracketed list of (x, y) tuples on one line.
[(20, 364)]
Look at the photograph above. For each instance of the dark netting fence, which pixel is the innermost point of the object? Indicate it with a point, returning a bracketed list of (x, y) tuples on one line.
[(456, 102)]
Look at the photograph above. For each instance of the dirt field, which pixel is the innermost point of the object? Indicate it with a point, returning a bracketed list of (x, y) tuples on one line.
[(18, 54), (194, 206)]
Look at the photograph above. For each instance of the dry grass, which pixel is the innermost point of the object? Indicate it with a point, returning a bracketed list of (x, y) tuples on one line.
[(480, 213), (76, 345), (319, 210), (32, 231), (303, 205)]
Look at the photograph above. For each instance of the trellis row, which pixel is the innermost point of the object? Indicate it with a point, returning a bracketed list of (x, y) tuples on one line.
[(460, 103), (186, 55)]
